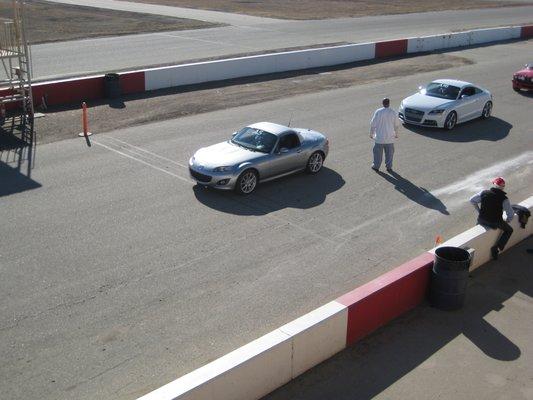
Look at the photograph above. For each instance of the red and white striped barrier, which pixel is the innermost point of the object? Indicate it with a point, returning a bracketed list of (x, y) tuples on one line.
[(76, 90), (269, 362)]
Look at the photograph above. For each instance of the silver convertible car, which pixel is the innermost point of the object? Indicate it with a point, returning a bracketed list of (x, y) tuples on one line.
[(444, 103), (258, 153)]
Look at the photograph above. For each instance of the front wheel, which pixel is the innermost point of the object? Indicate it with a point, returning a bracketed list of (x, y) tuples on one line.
[(451, 121), (487, 110), (315, 162), (246, 182)]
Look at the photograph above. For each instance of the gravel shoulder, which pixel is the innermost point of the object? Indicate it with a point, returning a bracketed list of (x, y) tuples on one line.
[(64, 123)]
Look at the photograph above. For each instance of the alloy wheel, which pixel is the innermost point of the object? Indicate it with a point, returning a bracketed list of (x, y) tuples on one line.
[(248, 182), (315, 162)]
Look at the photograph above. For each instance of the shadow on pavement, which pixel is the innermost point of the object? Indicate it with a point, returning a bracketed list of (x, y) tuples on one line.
[(492, 129), (300, 190), (374, 364), (17, 156), (415, 193)]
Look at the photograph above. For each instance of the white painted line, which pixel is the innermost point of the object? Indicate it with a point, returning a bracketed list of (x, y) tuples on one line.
[(143, 162), (146, 151)]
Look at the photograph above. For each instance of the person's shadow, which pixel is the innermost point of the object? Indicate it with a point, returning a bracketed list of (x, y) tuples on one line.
[(417, 194)]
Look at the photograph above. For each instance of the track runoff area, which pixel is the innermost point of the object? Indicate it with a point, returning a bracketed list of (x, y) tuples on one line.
[(126, 275)]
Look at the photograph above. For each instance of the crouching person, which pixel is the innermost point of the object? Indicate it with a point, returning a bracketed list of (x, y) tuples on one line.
[(490, 204)]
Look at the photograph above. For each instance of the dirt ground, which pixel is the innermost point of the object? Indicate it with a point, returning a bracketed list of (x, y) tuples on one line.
[(52, 22), (165, 104), (324, 9)]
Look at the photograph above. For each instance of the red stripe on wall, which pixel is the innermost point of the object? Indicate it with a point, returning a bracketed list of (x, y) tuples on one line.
[(385, 298), (132, 82), (391, 48), (69, 91), (527, 32)]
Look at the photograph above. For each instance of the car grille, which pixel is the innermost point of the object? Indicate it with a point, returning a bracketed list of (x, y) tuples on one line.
[(413, 115), (199, 177)]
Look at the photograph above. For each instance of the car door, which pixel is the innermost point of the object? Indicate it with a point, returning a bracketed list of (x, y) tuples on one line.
[(287, 155), (480, 98), (466, 103)]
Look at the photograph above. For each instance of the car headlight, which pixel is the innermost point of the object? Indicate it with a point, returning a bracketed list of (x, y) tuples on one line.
[(436, 112), (223, 169)]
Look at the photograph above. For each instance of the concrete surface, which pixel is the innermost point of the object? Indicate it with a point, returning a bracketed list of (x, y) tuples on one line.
[(134, 51), (177, 12), (118, 275), (481, 351)]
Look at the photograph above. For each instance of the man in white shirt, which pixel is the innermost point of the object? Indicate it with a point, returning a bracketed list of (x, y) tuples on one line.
[(384, 130)]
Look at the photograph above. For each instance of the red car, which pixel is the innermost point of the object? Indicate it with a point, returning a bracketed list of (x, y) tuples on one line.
[(523, 79)]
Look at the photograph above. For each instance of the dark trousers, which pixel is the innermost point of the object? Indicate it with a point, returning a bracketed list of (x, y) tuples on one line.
[(504, 226)]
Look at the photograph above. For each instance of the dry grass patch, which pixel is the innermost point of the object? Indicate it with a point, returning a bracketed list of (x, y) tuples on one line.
[(52, 22)]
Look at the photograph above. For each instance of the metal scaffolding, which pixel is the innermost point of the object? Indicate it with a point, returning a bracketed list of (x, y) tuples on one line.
[(15, 54)]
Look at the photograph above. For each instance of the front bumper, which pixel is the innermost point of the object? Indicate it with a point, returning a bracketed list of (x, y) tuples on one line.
[(422, 118), (206, 177)]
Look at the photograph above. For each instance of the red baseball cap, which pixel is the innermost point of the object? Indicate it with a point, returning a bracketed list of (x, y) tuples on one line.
[(499, 182)]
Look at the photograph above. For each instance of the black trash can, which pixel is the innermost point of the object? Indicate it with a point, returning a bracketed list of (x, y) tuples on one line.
[(112, 85), (449, 278)]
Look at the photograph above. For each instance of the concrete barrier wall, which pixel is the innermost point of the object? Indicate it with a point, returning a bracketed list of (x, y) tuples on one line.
[(480, 36), (72, 91), (267, 363), (189, 74)]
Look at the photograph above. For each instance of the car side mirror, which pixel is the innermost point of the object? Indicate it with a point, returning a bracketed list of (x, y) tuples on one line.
[(283, 150), (233, 134)]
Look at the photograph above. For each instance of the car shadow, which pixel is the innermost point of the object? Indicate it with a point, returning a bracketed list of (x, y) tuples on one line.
[(491, 129), (300, 190), (526, 93), (415, 193)]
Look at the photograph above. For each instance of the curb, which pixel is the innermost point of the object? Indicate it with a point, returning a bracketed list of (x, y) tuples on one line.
[(76, 90), (261, 366)]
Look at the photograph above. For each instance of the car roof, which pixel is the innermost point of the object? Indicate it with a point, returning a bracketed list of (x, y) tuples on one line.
[(454, 82), (271, 127)]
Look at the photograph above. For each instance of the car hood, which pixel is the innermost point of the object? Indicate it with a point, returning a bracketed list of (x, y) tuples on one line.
[(426, 103), (224, 154), (525, 72)]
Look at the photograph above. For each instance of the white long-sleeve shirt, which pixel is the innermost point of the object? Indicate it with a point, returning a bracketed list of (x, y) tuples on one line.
[(384, 125), (475, 200)]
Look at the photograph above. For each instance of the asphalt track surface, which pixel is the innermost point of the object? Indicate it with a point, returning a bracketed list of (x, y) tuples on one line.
[(119, 275), (75, 58)]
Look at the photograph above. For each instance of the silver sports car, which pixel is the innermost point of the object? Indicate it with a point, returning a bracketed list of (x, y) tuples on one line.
[(258, 153), (445, 103)]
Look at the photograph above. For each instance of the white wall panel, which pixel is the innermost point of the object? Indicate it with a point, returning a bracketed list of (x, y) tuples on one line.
[(188, 74)]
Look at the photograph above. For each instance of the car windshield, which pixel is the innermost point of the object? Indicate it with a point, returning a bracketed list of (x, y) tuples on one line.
[(255, 139), (441, 90)]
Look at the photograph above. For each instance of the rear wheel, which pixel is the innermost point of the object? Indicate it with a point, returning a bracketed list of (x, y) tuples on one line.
[(487, 110), (246, 182), (315, 162), (451, 121)]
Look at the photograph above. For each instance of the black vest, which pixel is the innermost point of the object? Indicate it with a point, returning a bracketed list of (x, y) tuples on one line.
[(491, 208)]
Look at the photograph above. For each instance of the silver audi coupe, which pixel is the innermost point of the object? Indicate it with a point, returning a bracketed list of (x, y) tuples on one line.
[(445, 103), (258, 153)]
